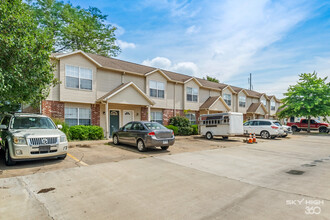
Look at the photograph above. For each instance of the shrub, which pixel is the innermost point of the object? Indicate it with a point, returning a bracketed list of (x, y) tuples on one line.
[(185, 130), (179, 121), (195, 129), (173, 128), (65, 127), (83, 132)]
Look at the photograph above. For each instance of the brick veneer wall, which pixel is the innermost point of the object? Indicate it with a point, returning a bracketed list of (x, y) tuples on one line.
[(53, 109), (95, 114), (167, 114)]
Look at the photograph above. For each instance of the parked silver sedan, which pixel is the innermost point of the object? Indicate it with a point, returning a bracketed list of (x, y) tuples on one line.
[(144, 134)]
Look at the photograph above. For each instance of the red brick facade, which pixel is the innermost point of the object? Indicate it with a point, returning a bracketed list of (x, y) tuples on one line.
[(167, 114), (53, 109), (95, 114)]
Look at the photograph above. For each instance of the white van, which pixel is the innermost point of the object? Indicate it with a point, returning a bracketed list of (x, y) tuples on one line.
[(221, 124)]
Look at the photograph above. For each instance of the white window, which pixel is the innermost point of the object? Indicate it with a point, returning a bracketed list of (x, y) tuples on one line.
[(242, 101), (192, 94), (157, 117), (78, 77), (227, 99), (263, 101), (77, 116), (192, 118), (272, 106), (157, 89)]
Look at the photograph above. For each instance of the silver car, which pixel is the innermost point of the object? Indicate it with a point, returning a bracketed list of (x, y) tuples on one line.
[(144, 134), (30, 137)]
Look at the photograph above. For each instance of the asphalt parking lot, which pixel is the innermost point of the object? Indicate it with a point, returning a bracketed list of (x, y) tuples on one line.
[(195, 179)]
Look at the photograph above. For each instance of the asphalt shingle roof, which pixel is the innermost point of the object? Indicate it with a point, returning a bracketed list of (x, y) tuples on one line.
[(209, 102)]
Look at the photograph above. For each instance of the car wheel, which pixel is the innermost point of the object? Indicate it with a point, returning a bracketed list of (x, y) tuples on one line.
[(62, 157), (209, 136), (165, 147), (8, 160), (265, 134), (295, 129), (140, 145), (323, 130), (115, 140)]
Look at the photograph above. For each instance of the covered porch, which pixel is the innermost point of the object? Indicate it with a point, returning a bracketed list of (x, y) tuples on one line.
[(124, 104), (214, 104), (256, 111)]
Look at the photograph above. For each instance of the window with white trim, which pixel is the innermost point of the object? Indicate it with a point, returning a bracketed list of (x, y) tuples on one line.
[(157, 89), (78, 77), (227, 99), (77, 116), (157, 117), (191, 117), (263, 101), (242, 101), (192, 94), (272, 106)]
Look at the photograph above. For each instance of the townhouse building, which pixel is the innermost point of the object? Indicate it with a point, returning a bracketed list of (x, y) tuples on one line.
[(108, 92)]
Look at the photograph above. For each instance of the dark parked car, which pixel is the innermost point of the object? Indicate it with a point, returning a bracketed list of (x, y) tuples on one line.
[(144, 134)]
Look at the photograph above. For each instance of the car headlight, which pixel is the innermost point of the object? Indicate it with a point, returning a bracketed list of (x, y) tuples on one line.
[(19, 140), (63, 138)]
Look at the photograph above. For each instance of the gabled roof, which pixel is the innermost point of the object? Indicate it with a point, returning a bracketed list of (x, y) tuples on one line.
[(211, 101), (255, 106), (121, 88), (160, 71), (193, 78)]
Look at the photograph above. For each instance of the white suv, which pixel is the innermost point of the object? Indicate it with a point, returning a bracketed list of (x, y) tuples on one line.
[(263, 127)]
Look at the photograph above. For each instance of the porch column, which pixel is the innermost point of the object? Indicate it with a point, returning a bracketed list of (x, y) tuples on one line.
[(107, 120), (149, 113), (254, 116)]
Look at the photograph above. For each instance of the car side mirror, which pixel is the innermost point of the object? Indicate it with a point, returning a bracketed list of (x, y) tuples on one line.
[(124, 129), (59, 126), (3, 127)]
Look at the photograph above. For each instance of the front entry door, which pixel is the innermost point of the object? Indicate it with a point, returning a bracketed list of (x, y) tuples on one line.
[(114, 121), (128, 116)]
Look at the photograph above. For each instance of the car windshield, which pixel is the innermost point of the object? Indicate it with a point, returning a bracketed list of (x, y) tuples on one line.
[(277, 123), (317, 121), (32, 123), (154, 126)]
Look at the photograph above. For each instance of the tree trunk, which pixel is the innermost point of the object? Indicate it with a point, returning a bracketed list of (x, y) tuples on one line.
[(309, 125)]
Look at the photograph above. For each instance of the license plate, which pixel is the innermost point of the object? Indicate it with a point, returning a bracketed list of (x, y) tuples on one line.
[(165, 142), (44, 148)]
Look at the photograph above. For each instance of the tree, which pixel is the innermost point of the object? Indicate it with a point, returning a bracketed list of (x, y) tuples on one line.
[(309, 97), (74, 28), (25, 70), (212, 79)]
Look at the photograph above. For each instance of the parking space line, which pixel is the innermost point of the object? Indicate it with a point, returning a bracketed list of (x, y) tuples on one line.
[(79, 161)]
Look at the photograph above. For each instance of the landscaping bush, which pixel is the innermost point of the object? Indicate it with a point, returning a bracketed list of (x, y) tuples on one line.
[(179, 121), (185, 130), (195, 129), (65, 127), (83, 132), (173, 128)]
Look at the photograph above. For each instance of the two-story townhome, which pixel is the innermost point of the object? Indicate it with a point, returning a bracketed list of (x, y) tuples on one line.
[(109, 92)]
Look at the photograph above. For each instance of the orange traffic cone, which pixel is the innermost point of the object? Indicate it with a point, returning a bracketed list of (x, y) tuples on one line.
[(250, 139), (254, 138)]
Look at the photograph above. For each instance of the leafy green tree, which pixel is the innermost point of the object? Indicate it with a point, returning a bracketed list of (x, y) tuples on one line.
[(75, 28), (25, 70), (310, 97), (212, 79)]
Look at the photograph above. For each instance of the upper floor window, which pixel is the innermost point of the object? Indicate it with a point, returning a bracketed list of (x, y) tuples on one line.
[(272, 106), (263, 101), (242, 101), (227, 99), (157, 89), (192, 118), (78, 77), (77, 116), (192, 94)]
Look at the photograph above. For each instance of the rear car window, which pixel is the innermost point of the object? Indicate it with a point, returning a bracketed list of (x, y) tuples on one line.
[(154, 126), (137, 127), (262, 123)]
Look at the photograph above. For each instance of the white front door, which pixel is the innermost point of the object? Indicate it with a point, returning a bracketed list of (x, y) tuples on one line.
[(128, 116)]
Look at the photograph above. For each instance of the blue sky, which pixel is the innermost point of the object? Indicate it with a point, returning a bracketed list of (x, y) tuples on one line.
[(273, 40)]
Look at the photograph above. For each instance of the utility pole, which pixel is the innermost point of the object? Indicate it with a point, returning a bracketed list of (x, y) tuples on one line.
[(250, 81)]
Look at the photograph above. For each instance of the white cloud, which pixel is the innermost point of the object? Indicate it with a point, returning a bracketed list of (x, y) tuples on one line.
[(125, 45), (192, 30), (188, 68)]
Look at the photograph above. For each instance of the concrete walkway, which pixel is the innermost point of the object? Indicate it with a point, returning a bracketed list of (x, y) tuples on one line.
[(245, 182)]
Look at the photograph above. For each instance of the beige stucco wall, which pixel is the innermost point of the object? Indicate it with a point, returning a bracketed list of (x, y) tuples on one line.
[(242, 109), (179, 96), (107, 81), (261, 111), (219, 106), (160, 102), (54, 92), (215, 93), (137, 80), (77, 95), (191, 105), (129, 96), (170, 95), (204, 94)]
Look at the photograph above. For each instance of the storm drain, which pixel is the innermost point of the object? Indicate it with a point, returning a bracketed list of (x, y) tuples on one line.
[(295, 172)]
